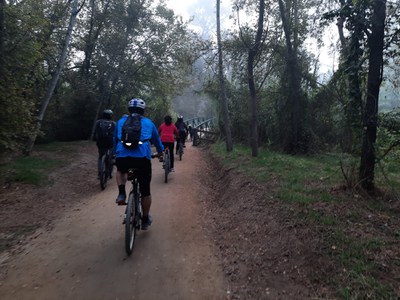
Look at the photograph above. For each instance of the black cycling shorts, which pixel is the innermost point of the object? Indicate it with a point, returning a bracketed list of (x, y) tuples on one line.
[(144, 166)]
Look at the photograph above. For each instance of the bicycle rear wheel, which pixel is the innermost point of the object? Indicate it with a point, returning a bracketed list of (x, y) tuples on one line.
[(167, 168), (180, 150), (110, 166), (103, 173), (130, 225)]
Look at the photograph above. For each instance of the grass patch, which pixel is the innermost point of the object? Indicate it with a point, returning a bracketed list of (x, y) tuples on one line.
[(307, 185), (34, 169), (357, 281), (300, 179), (360, 287), (64, 147), (320, 218), (31, 170)]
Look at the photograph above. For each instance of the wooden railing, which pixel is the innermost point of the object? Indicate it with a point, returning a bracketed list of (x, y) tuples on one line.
[(203, 130)]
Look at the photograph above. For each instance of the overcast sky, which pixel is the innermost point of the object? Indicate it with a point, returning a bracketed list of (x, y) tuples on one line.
[(203, 12), (204, 23)]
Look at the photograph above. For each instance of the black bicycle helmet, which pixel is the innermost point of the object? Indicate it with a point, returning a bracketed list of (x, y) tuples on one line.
[(107, 113)]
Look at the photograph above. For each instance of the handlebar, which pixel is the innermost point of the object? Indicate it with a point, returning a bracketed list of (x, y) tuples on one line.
[(156, 155), (159, 156)]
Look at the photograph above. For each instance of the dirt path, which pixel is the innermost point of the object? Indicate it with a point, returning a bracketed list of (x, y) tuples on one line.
[(83, 256)]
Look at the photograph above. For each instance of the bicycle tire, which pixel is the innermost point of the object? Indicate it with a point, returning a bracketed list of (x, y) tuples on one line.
[(103, 173), (110, 166), (167, 168), (138, 212), (180, 150), (130, 225)]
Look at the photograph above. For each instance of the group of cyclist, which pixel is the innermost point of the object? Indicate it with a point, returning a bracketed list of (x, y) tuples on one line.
[(139, 158)]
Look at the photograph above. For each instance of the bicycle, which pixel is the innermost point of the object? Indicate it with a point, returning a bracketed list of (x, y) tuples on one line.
[(106, 168), (133, 211)]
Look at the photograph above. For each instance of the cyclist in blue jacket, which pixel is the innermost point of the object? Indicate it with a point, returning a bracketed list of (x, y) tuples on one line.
[(139, 158)]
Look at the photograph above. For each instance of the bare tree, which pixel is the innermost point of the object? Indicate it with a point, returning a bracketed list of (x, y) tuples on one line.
[(54, 79), (222, 91)]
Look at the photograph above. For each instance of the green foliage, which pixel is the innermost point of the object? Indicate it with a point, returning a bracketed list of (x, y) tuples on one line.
[(388, 149), (28, 52), (15, 118), (130, 49)]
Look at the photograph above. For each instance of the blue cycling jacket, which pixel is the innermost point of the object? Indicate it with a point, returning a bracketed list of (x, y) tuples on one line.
[(149, 134)]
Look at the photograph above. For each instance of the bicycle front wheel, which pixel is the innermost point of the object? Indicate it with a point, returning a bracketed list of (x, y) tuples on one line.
[(103, 173), (130, 225)]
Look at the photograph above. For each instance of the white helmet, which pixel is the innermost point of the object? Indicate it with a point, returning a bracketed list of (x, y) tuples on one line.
[(136, 102)]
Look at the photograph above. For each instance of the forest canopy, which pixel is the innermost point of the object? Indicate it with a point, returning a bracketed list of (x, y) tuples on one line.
[(63, 62)]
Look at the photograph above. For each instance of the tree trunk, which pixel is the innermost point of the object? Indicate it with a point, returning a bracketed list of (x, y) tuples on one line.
[(351, 67), (222, 91), (294, 142), (2, 60), (253, 51), (54, 79), (375, 71)]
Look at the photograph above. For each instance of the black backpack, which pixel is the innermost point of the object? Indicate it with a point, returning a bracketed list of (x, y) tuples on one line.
[(131, 131), (105, 133)]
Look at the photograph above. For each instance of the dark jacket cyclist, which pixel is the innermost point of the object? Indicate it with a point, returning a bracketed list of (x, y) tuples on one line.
[(104, 135), (182, 130)]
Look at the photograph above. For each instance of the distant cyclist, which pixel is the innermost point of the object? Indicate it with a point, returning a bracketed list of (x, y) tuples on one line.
[(191, 130), (182, 130), (138, 158), (168, 133), (104, 135)]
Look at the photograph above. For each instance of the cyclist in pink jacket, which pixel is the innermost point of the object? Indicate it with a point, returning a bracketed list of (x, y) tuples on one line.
[(168, 133)]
